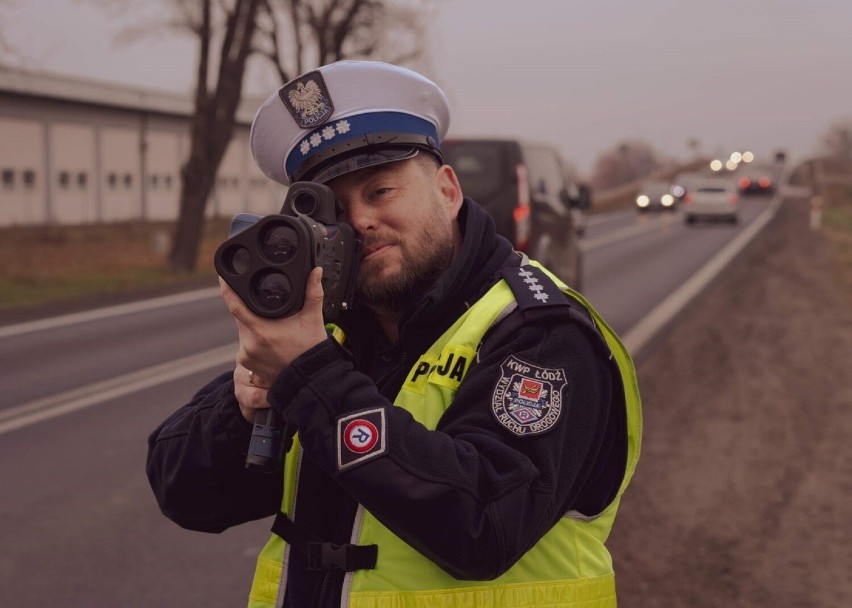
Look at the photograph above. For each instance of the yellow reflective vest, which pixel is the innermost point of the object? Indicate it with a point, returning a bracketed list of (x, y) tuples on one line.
[(568, 567)]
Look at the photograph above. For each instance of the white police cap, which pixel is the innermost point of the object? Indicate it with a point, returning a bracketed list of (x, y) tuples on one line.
[(346, 116)]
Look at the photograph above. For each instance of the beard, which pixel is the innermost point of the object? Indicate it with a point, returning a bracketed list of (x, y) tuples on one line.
[(424, 258)]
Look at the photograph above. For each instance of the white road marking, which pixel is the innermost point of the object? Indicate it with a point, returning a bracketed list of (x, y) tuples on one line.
[(108, 311), (114, 388), (619, 235)]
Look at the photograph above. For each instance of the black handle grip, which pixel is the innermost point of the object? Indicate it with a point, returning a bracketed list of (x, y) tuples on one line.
[(264, 451)]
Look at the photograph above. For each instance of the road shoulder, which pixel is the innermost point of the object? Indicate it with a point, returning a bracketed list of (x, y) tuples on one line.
[(739, 498)]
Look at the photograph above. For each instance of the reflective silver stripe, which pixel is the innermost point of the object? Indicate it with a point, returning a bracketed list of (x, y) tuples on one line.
[(510, 307), (579, 516), (285, 560), (354, 538)]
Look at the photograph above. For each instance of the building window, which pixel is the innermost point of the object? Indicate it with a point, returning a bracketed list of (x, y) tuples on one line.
[(29, 178), (64, 179), (128, 180), (82, 179), (154, 180), (8, 178), (112, 180), (167, 180)]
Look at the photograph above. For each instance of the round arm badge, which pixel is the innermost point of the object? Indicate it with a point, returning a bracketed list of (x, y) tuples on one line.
[(527, 399), (360, 437)]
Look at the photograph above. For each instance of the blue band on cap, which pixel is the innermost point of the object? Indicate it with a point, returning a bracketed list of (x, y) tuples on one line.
[(336, 131)]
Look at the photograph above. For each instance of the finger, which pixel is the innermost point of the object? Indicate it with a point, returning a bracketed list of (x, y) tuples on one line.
[(245, 373), (251, 400), (257, 381), (242, 374), (225, 289), (313, 291), (235, 305), (250, 397)]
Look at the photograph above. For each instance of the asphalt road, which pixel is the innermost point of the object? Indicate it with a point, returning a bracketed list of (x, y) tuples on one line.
[(78, 523)]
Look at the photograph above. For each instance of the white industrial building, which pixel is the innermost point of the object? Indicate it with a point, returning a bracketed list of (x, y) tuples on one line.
[(76, 151)]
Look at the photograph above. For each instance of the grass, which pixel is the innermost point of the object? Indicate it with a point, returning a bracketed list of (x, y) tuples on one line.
[(837, 228), (838, 215), (56, 264)]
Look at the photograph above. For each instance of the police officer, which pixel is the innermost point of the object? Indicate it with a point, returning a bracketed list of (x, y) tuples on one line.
[(463, 435)]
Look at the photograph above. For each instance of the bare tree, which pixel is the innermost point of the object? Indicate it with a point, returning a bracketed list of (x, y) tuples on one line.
[(292, 34), (213, 116), (301, 34), (626, 162)]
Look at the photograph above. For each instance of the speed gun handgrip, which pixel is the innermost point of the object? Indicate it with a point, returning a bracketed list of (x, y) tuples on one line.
[(264, 451)]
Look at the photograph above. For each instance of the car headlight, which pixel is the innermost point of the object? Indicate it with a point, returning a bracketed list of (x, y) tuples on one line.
[(642, 200), (667, 200)]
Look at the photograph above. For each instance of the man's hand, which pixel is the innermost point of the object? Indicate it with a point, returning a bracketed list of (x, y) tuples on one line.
[(267, 346), (250, 392)]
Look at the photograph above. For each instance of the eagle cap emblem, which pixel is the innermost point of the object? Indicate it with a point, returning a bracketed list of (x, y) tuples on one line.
[(308, 100)]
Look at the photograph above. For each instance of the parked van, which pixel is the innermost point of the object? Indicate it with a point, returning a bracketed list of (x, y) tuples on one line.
[(523, 186)]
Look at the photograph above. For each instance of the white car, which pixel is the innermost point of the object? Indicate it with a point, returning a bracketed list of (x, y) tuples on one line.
[(711, 199)]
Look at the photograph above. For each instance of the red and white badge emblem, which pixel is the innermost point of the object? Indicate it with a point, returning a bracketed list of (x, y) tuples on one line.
[(527, 399), (360, 437)]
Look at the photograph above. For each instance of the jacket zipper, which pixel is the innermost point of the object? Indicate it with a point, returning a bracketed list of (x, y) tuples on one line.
[(323, 592)]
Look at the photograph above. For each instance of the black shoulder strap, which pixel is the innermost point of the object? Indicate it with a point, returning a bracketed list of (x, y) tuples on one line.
[(536, 292), (532, 288)]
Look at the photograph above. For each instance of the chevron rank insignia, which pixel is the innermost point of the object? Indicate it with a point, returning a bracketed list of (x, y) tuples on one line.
[(532, 288)]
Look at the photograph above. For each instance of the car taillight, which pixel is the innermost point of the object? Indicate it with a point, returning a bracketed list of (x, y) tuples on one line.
[(687, 198), (745, 182), (521, 214), (732, 199), (764, 182)]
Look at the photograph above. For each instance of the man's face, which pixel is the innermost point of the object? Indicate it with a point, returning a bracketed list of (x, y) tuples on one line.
[(405, 214)]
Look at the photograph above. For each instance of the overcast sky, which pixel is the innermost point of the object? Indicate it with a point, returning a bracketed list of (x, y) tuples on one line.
[(734, 74)]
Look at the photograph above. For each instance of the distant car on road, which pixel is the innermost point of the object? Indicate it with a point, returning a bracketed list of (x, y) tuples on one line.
[(523, 186), (760, 183), (655, 196), (711, 199)]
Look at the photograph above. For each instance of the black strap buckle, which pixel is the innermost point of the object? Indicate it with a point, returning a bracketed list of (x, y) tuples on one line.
[(322, 555), (348, 557)]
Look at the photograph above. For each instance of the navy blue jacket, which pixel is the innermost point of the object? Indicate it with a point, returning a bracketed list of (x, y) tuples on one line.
[(477, 474)]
